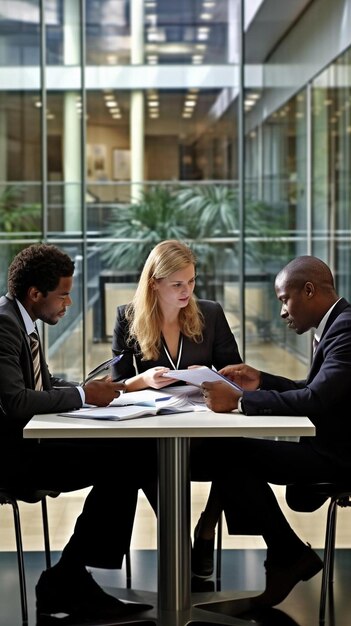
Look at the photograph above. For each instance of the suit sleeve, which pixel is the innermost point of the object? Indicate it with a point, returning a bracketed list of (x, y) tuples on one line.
[(19, 401), (324, 393)]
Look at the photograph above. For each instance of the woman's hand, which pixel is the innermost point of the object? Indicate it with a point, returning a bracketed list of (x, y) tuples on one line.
[(243, 375), (154, 377)]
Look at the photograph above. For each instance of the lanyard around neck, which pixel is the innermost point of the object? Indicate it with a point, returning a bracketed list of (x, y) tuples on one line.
[(180, 350)]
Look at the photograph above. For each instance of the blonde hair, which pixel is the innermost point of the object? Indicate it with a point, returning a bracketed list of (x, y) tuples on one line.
[(144, 313)]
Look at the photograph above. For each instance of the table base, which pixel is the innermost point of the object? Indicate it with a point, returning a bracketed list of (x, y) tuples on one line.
[(203, 610)]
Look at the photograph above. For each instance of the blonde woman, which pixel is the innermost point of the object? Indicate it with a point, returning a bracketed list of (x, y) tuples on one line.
[(166, 327)]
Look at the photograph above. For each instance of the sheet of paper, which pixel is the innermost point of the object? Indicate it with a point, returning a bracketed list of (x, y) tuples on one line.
[(199, 375), (148, 397), (112, 413)]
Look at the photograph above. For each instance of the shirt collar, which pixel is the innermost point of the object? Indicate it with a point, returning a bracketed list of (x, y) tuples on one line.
[(321, 326), (27, 320)]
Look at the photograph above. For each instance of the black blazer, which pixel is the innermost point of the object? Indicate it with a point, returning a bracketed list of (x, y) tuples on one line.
[(18, 399), (218, 347), (325, 394)]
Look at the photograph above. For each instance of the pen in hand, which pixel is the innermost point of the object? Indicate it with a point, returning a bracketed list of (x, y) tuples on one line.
[(103, 367)]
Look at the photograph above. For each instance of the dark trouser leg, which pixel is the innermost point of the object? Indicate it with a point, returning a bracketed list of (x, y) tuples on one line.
[(241, 470), (116, 468), (251, 508), (103, 531)]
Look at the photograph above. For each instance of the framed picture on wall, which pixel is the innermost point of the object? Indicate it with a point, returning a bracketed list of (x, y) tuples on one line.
[(121, 164), (96, 159)]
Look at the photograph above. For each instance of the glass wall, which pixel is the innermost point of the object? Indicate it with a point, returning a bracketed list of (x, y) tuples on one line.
[(331, 186), (110, 131), (119, 127)]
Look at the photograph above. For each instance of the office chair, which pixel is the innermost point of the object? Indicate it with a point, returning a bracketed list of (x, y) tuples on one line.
[(12, 497), (339, 494), (219, 552)]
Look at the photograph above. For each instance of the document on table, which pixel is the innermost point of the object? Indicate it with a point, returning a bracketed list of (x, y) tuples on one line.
[(199, 375), (143, 403)]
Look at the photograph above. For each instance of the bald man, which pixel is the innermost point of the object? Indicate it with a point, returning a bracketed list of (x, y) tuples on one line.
[(305, 288)]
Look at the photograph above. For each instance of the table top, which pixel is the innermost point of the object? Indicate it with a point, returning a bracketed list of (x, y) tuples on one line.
[(194, 424)]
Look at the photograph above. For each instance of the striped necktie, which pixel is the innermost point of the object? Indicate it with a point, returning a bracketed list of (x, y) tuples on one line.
[(35, 348)]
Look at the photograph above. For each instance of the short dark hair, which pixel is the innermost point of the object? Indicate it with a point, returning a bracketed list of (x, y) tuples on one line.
[(41, 266)]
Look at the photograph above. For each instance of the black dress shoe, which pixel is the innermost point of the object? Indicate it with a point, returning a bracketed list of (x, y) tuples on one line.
[(202, 555), (79, 595), (282, 578)]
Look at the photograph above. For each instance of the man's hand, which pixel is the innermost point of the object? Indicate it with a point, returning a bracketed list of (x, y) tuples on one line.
[(243, 375), (101, 392), (219, 397)]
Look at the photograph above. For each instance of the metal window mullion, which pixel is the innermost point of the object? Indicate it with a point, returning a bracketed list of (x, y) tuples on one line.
[(84, 221), (241, 172), (309, 166), (43, 141)]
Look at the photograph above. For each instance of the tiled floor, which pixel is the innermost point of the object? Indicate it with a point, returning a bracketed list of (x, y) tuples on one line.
[(241, 570)]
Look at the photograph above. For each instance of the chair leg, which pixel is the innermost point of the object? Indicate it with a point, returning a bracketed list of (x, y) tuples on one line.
[(128, 571), (328, 555), (44, 512), (332, 549), (219, 552), (20, 561)]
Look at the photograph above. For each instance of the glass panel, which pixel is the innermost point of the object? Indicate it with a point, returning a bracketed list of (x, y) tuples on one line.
[(276, 219), (64, 162), (183, 32), (19, 33), (20, 165), (65, 339), (108, 32), (332, 168), (62, 24), (192, 32)]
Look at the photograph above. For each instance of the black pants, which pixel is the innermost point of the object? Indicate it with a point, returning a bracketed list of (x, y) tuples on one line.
[(242, 469), (115, 468)]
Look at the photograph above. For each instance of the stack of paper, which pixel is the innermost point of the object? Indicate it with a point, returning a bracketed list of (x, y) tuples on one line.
[(146, 402)]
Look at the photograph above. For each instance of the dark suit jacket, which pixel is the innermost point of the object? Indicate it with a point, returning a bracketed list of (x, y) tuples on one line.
[(19, 401), (325, 394), (218, 347)]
